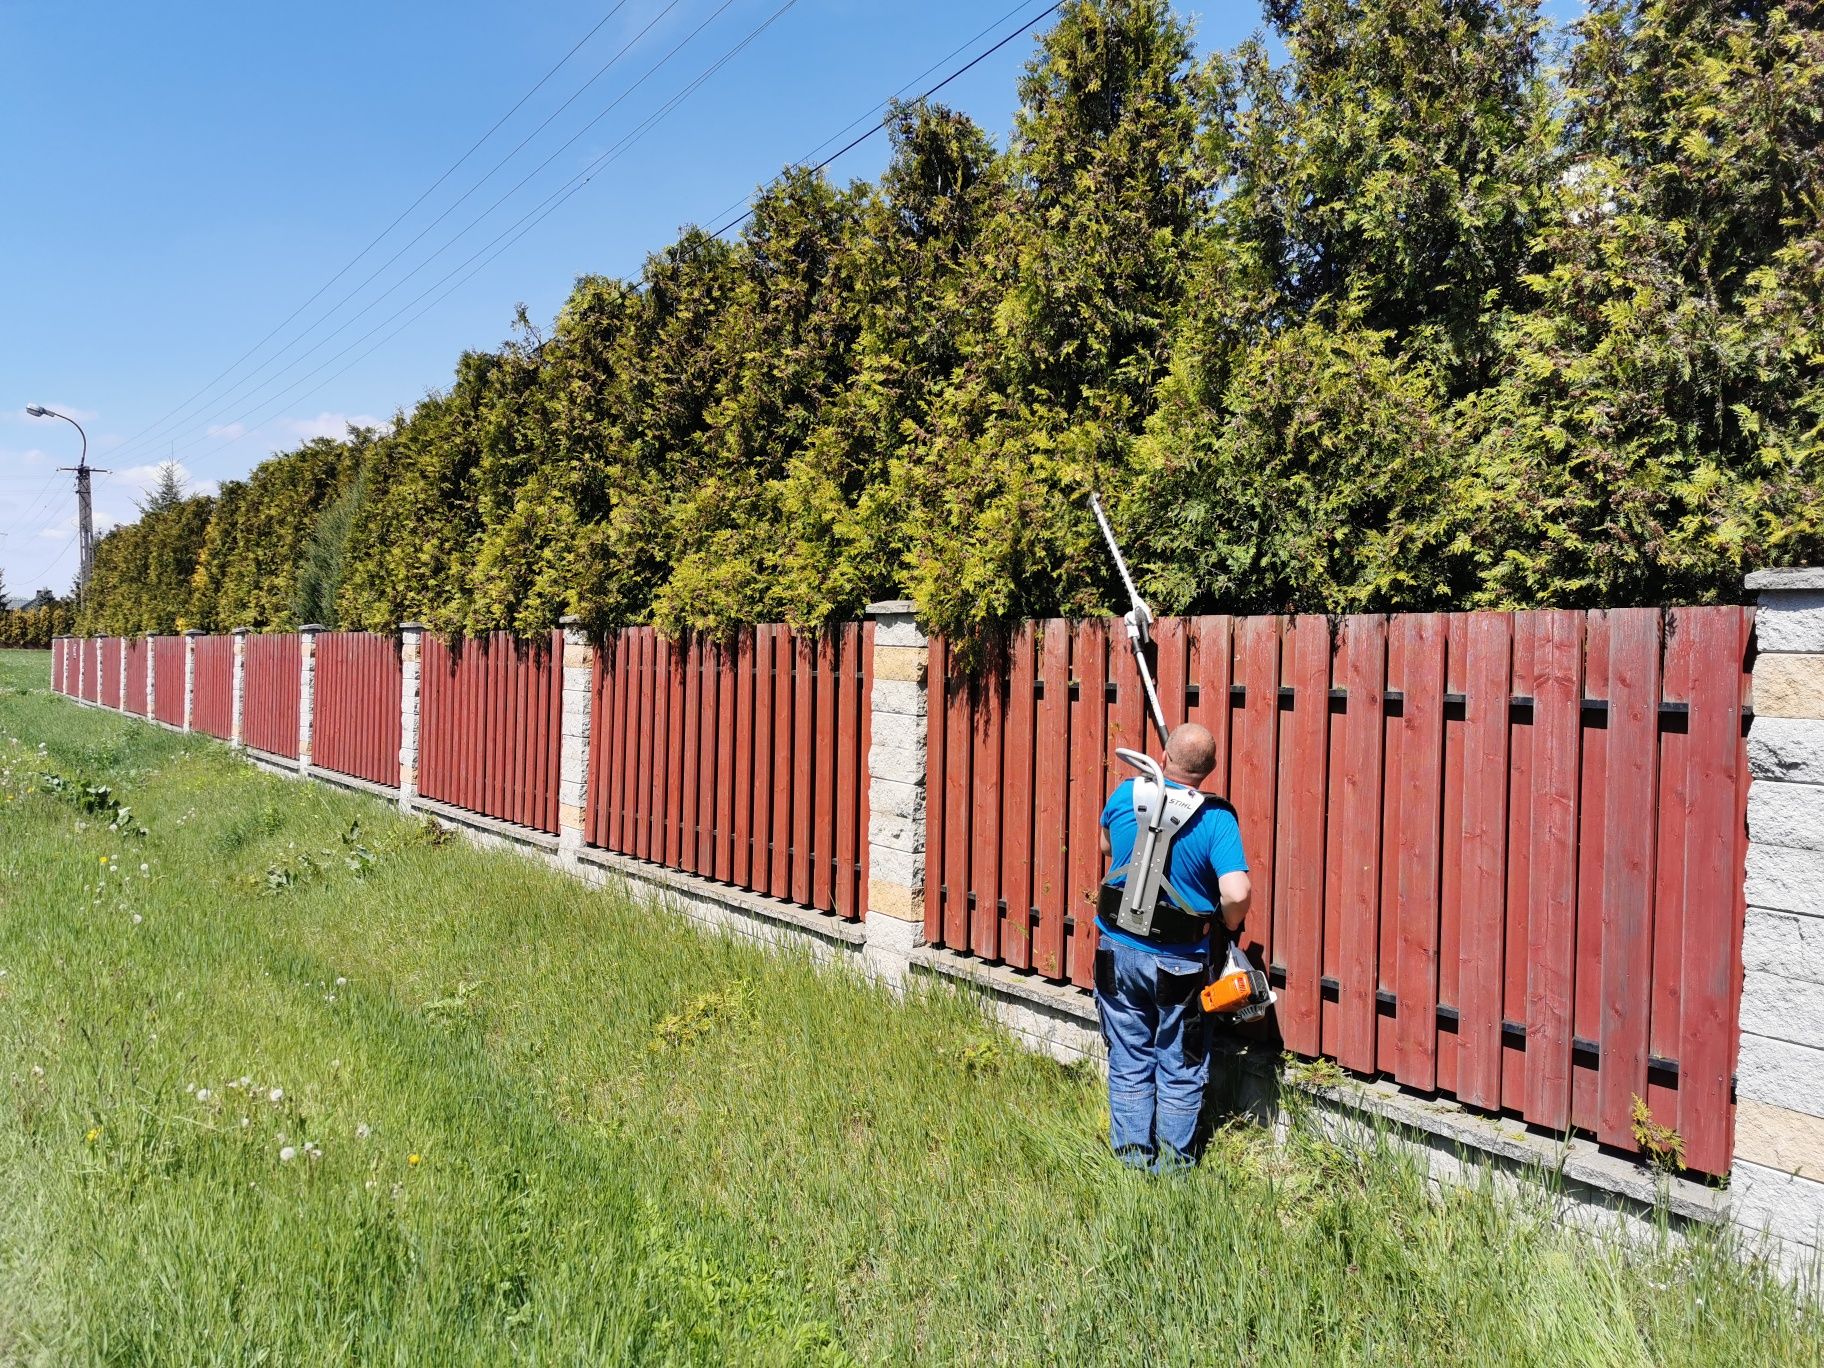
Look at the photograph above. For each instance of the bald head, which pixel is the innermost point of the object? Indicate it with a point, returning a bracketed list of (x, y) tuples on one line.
[(1190, 753)]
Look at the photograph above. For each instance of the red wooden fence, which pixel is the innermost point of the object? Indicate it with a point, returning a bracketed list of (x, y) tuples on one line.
[(744, 762), (138, 655), (489, 728), (212, 697), (57, 665), (91, 670), (355, 718), (269, 711), (168, 683), (1455, 826), (109, 653)]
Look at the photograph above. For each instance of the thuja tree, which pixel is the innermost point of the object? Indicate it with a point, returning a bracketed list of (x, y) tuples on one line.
[(1412, 315), (1351, 282), (1074, 279), (1659, 424)]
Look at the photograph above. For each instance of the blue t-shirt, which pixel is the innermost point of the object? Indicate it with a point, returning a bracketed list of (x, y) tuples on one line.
[(1206, 848)]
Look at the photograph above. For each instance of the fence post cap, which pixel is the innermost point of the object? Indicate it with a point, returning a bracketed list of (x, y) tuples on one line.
[(886, 607), (569, 620), (313, 627), (240, 631), (1798, 577), (195, 631), (411, 626)]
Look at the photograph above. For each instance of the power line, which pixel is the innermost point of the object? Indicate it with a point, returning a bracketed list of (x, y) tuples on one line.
[(429, 190), (463, 231), (517, 230), (875, 109), (857, 142)]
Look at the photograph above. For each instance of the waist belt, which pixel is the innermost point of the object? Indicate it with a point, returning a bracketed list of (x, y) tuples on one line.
[(1171, 924)]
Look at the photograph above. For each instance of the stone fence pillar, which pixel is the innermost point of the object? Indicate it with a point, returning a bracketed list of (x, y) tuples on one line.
[(1777, 1185), (190, 675), (237, 722), (896, 792), (151, 644), (307, 691), (411, 676), (578, 666)]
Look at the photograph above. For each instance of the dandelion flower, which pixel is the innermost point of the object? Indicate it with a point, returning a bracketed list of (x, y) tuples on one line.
[(276, 1095), (94, 1134), (104, 859), (412, 1159), (288, 1153)]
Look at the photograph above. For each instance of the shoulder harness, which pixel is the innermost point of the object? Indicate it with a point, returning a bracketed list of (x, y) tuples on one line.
[(1162, 811)]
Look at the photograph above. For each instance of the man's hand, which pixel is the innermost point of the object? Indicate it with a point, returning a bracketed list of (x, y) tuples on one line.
[(1236, 890)]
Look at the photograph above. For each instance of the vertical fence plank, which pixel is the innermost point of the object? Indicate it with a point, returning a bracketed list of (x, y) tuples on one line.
[(1172, 667), (708, 753), (741, 858), (937, 835), (958, 755), (1363, 672), (1299, 891), (765, 717), (1551, 921), (727, 704), (1254, 770), (1709, 964), (688, 760), (1523, 629), (1211, 664), (1088, 733), (804, 746), (664, 754), (985, 820), (1627, 870), (1450, 874), (1016, 802), (1592, 846), (1417, 655), (1051, 798), (823, 801), (1479, 960), (785, 662), (1672, 805)]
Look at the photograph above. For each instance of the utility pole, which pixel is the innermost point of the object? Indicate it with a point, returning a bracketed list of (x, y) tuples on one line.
[(85, 520)]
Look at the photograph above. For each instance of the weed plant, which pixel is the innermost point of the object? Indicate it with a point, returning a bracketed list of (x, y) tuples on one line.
[(291, 1079)]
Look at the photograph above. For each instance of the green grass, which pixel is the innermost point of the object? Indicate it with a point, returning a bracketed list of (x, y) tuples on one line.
[(635, 1143)]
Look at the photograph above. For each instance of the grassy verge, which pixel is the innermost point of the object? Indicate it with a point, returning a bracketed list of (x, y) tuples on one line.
[(287, 1078)]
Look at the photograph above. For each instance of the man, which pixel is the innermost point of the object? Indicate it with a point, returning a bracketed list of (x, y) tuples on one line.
[(1146, 989)]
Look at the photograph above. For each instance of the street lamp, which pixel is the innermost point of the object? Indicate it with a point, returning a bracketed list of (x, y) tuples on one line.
[(85, 525)]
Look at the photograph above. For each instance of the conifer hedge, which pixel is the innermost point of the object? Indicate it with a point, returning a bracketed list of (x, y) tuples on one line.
[(1442, 309)]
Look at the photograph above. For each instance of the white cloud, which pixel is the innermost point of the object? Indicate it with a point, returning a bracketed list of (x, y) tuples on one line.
[(330, 424), (229, 431)]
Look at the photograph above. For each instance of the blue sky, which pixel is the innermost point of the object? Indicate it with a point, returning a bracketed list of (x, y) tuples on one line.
[(180, 178)]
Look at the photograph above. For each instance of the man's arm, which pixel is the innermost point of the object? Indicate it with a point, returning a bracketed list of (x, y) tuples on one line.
[(1237, 891)]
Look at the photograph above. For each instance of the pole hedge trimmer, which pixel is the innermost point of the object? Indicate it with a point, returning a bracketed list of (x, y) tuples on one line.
[(1162, 811)]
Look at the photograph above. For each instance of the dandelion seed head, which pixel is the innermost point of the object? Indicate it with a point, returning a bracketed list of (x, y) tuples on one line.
[(287, 1153), (202, 1094), (276, 1095)]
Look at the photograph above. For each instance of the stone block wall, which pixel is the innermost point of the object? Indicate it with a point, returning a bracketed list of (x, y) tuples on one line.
[(1777, 1184), (896, 792)]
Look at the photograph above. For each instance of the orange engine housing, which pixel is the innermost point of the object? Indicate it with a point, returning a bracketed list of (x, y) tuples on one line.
[(1236, 989)]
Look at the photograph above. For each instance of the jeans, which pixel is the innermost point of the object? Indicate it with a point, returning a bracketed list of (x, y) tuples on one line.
[(1158, 1052)]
